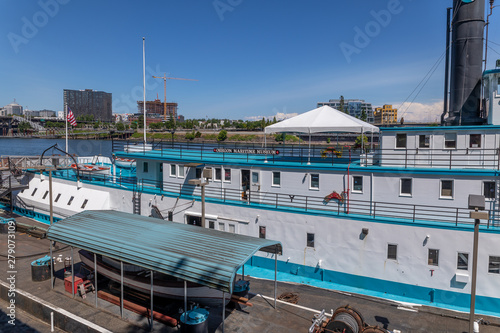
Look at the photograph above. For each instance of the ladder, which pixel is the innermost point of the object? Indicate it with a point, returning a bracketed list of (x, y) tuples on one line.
[(136, 202)]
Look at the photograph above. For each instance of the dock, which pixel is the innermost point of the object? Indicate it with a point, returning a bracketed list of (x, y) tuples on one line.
[(36, 300)]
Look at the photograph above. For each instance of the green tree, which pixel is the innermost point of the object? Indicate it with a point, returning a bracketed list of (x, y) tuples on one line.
[(23, 126), (364, 116), (120, 127), (222, 135), (140, 122)]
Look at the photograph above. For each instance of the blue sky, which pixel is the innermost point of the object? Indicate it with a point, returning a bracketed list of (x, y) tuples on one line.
[(252, 58)]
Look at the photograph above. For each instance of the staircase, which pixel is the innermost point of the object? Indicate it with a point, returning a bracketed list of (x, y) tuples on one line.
[(34, 125), (9, 184)]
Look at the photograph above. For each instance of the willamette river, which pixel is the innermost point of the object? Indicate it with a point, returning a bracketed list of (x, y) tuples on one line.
[(28, 147)]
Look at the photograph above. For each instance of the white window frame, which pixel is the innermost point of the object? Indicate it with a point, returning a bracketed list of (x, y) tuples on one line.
[(310, 182), (468, 261), (221, 225), (396, 245), (480, 142), (179, 168), (430, 141), (396, 141), (441, 196), (444, 141), (401, 194), (230, 175), (272, 179), (489, 258), (174, 168), (428, 254), (215, 179), (357, 191)]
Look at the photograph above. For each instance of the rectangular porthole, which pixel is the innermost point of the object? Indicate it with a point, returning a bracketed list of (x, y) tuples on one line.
[(85, 203), (70, 200)]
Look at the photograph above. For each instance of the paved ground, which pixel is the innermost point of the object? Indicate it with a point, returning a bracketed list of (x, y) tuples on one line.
[(261, 317)]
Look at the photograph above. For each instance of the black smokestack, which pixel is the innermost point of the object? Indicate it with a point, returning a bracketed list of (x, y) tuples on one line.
[(466, 62)]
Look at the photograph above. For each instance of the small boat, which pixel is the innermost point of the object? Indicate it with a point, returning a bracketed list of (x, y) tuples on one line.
[(163, 285), (90, 169), (125, 163)]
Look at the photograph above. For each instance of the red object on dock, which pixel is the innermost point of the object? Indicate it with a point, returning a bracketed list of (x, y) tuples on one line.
[(68, 281)]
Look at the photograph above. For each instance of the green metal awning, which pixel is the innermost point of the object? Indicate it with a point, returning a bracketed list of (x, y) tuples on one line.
[(204, 256)]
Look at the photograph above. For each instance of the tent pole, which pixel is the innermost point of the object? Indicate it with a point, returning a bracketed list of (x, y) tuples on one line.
[(309, 157), (265, 146), (372, 142)]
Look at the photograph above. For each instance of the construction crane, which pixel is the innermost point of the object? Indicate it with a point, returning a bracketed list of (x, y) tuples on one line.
[(165, 78)]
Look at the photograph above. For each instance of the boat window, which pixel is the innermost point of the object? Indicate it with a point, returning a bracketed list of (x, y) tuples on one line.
[(218, 173), (314, 181), (433, 258), (310, 240), (424, 141), (276, 178), (232, 228), (262, 232), (222, 227), (211, 224), (489, 191), (475, 141), (450, 140), (193, 220), (57, 198), (463, 261), (401, 140), (34, 191), (181, 171), (446, 188), (227, 175), (45, 194), (84, 203), (145, 167), (392, 251), (494, 265), (498, 87), (70, 200), (173, 169), (357, 184), (255, 177), (406, 186)]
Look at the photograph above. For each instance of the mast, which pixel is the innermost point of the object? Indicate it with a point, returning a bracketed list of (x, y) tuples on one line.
[(144, 84)]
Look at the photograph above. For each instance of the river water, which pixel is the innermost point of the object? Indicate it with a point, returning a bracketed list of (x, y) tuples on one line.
[(31, 147)]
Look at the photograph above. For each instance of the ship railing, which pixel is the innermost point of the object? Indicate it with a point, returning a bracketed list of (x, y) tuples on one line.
[(440, 158), (228, 152), (380, 210)]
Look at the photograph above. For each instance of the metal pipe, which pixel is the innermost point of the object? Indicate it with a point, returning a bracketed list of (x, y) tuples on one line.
[(50, 200), (151, 316), (203, 205), (185, 298), (121, 289), (95, 278), (275, 274), (223, 309), (474, 276), (51, 267), (144, 85), (447, 66), (243, 272), (72, 273)]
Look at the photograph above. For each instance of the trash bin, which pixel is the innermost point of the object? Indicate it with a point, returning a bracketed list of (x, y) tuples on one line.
[(241, 288), (194, 321), (7, 225), (40, 269)]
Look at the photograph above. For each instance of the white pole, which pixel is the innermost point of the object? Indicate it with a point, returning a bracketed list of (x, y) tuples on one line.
[(66, 121), (144, 84)]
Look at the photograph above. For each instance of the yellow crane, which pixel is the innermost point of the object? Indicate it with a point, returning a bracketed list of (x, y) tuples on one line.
[(165, 78)]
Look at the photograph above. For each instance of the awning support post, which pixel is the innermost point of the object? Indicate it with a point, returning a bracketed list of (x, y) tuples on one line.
[(72, 273), (51, 267), (243, 272), (223, 309), (95, 279), (275, 274), (151, 314), (121, 289), (185, 298), (265, 146), (309, 156)]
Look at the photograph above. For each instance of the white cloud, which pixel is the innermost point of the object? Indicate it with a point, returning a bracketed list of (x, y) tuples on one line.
[(420, 112), (279, 116)]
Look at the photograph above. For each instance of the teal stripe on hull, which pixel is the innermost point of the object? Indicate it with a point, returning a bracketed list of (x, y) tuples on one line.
[(328, 279)]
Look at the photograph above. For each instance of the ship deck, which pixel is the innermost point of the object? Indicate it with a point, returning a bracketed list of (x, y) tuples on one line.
[(261, 317)]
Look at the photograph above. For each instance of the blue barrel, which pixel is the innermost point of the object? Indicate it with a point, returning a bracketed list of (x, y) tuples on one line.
[(241, 288), (7, 225), (194, 321), (40, 269)]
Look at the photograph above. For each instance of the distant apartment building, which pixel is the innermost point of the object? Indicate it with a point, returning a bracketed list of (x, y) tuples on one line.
[(354, 107), (156, 109), (386, 115), (89, 102), (13, 109)]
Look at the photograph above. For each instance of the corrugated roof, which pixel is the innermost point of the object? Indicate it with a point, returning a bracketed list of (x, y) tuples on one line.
[(205, 256)]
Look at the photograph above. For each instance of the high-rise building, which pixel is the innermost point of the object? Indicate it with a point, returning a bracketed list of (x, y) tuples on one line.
[(386, 115), (13, 109), (156, 109), (354, 107), (89, 102)]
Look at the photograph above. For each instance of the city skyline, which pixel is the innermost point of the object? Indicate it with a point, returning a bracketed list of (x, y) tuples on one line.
[(251, 59)]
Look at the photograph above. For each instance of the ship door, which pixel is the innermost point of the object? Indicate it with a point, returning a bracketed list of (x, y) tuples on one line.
[(245, 184), (159, 176)]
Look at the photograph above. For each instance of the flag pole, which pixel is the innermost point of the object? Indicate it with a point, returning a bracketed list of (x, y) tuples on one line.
[(66, 121), (144, 84)]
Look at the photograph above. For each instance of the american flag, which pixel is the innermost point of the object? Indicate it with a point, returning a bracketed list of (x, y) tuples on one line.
[(71, 117)]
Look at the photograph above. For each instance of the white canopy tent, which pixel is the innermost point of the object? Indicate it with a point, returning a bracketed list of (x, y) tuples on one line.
[(320, 120)]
